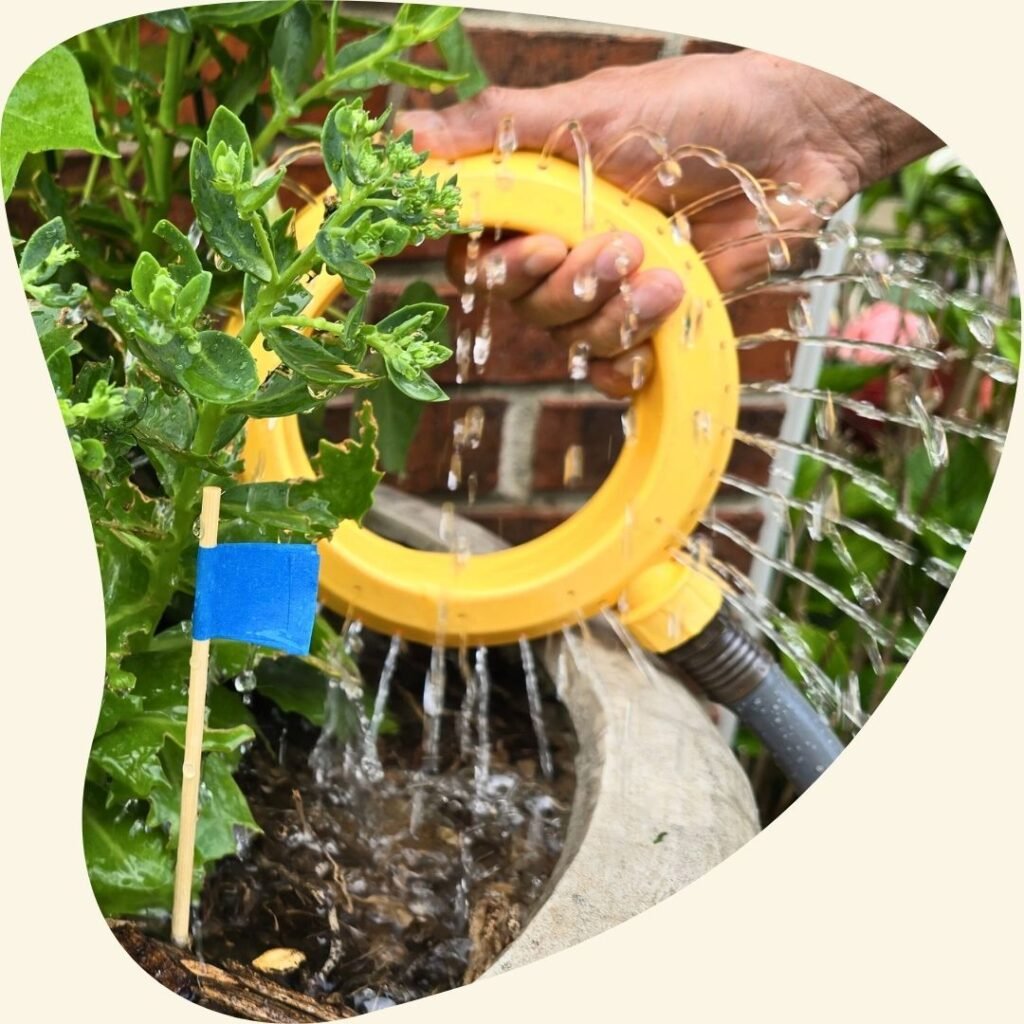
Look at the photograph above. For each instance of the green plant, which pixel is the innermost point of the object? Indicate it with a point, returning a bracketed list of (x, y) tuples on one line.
[(131, 310), (932, 224)]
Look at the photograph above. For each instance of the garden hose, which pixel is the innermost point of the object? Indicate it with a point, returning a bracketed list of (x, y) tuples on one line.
[(624, 544)]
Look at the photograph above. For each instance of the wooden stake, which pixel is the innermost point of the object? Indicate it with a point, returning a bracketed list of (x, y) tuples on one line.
[(194, 723)]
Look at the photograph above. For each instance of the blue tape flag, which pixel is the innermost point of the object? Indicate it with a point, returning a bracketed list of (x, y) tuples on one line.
[(257, 593)]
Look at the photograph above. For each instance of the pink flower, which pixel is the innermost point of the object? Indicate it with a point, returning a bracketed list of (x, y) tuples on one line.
[(883, 323)]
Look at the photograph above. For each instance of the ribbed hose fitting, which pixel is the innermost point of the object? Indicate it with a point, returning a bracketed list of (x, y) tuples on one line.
[(732, 669)]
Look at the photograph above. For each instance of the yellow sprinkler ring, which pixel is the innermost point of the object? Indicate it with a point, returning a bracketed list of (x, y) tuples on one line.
[(625, 540)]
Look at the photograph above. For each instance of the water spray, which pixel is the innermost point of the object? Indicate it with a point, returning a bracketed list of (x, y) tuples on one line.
[(625, 546)]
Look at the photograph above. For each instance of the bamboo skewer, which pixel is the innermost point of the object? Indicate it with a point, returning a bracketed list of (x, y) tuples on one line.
[(194, 723)]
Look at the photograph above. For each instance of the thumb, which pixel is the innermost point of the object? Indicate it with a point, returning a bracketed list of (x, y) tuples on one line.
[(471, 127)]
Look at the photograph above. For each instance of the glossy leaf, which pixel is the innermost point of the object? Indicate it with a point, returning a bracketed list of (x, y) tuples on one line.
[(222, 371), (48, 108), (230, 235)]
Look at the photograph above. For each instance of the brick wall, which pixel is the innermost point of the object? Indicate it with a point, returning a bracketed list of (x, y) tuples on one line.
[(533, 411)]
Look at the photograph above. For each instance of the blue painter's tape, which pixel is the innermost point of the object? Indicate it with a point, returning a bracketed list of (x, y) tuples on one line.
[(258, 593)]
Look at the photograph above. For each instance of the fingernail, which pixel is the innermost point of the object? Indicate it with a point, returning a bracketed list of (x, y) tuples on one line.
[(654, 299), (544, 256), (617, 259)]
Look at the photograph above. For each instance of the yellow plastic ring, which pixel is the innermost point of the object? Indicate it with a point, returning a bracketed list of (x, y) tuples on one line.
[(627, 533)]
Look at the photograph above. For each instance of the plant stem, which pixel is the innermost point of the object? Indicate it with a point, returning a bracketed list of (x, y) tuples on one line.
[(317, 91)]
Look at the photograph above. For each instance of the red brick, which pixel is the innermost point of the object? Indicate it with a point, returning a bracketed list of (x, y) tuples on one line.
[(430, 454), (593, 423), (517, 524), (755, 315), (746, 520), (596, 425)]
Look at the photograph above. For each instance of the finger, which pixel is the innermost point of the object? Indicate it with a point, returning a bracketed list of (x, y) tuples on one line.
[(625, 321), (624, 375), (471, 127), (507, 270), (585, 281)]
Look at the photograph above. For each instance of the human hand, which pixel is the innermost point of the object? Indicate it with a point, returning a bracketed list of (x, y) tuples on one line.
[(783, 122)]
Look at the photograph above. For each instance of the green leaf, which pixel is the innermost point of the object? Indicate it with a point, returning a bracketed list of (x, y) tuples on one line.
[(349, 470), (398, 416), (131, 868), (48, 109), (315, 362), (176, 20), (293, 685), (846, 377), (423, 388), (340, 258), (281, 395), (188, 265), (222, 371), (225, 229), (419, 77), (144, 276), (295, 47), (420, 23), (226, 127), (222, 807), (192, 298), (457, 52), (231, 15)]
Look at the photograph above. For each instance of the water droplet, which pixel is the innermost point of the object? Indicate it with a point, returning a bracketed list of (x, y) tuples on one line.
[(195, 234), (998, 368), (637, 373), (800, 317), (220, 263), (245, 682), (468, 301), (572, 466), (669, 173), (983, 330), (911, 263), (680, 229), (474, 425), (933, 435), (196, 528), (188, 770), (584, 284), (788, 194), (778, 254), (702, 425), (579, 360), (825, 208), (825, 420), (940, 571), (925, 334), (629, 424), (506, 141), (495, 270), (454, 472), (463, 355), (482, 344), (446, 524), (920, 619)]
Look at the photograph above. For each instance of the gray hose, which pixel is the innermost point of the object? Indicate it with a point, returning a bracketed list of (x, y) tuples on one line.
[(735, 671)]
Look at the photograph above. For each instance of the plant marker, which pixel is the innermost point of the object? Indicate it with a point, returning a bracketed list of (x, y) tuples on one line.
[(260, 594), (199, 665)]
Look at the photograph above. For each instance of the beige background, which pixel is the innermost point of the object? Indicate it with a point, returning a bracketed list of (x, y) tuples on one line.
[(891, 891)]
